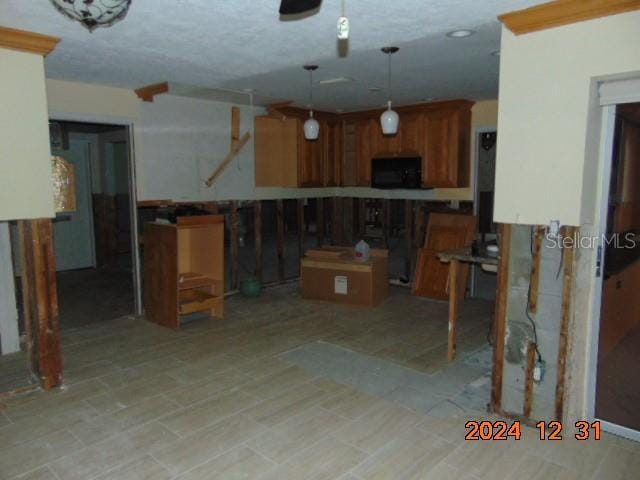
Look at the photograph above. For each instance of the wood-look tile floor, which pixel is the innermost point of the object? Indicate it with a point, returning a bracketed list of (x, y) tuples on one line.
[(222, 400)]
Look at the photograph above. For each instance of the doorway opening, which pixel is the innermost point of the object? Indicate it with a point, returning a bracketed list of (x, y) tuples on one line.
[(483, 281), (94, 243), (617, 392)]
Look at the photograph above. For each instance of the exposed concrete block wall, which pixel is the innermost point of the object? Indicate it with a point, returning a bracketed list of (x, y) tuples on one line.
[(519, 329)]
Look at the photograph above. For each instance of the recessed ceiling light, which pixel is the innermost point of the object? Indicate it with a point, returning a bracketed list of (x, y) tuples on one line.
[(496, 53), (463, 33)]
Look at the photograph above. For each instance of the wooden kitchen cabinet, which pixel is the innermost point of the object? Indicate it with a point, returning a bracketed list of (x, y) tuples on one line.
[(411, 132), (384, 145), (311, 157), (364, 151), (349, 168), (333, 147), (445, 154)]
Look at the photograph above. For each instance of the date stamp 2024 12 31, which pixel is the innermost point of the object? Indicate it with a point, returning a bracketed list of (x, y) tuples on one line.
[(501, 430)]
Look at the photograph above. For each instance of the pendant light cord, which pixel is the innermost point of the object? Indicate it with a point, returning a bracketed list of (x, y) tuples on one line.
[(389, 76), (311, 89), (344, 9)]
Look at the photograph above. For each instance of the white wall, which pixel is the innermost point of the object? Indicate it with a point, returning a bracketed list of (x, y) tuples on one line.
[(547, 80), (26, 189)]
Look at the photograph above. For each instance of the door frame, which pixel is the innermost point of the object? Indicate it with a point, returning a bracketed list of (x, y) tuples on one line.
[(133, 198), (604, 186), (476, 193)]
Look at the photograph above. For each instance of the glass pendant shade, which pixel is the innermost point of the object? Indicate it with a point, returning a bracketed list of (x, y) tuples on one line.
[(93, 13), (389, 121), (311, 128)]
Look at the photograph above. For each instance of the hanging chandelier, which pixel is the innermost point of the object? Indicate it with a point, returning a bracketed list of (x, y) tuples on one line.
[(311, 126), (93, 13), (389, 119)]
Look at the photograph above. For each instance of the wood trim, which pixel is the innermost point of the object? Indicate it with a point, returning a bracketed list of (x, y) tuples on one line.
[(147, 93), (500, 322), (563, 12), (29, 42), (567, 290)]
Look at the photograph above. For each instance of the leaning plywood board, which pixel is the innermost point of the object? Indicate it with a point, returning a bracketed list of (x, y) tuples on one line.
[(444, 232)]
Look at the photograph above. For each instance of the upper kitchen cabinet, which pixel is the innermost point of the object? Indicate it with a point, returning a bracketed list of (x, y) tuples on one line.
[(411, 133), (276, 144), (446, 148), (384, 145), (284, 158), (364, 152)]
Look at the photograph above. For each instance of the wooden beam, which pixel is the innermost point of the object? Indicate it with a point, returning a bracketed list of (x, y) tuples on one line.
[(563, 12), (454, 281), (147, 93), (408, 237), (235, 127), (535, 269), (567, 290), (500, 321), (257, 232), (280, 229), (528, 380), (301, 227), (41, 300), (419, 225), (235, 246), (362, 217), (227, 160), (29, 42), (320, 220)]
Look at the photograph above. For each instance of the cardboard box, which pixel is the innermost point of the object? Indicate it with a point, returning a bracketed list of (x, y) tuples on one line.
[(339, 278)]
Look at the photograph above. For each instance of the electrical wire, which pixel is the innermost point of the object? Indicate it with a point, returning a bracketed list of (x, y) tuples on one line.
[(527, 306)]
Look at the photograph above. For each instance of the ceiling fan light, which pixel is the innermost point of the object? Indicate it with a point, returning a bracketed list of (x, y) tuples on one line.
[(311, 128), (93, 14), (389, 121)]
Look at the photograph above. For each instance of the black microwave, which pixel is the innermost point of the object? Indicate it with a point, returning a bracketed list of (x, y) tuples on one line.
[(396, 172)]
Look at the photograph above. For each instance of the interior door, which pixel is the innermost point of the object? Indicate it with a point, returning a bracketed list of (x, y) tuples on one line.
[(73, 231)]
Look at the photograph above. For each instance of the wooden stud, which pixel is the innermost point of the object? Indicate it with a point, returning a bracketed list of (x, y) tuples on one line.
[(419, 225), (386, 221), (257, 232), (301, 227), (336, 221), (235, 127), (567, 288), (454, 272), (235, 246), (347, 224), (362, 217), (227, 160), (408, 237), (563, 12), (320, 220), (147, 93), (41, 301), (281, 246), (528, 382), (24, 41), (535, 269), (500, 322)]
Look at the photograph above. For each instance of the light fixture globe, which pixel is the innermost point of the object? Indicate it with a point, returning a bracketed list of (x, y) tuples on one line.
[(94, 13), (311, 128), (389, 120)]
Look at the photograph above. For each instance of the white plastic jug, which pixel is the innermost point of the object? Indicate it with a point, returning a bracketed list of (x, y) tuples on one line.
[(362, 251)]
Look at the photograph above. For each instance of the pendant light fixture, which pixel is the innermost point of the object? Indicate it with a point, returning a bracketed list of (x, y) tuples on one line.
[(311, 126), (389, 119)]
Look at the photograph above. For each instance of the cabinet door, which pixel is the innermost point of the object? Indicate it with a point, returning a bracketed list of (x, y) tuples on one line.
[(363, 152), (411, 131), (276, 157), (384, 145), (333, 146), (349, 152), (442, 149), (310, 161)]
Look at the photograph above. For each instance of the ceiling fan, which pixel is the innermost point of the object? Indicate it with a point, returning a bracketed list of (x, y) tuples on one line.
[(294, 7)]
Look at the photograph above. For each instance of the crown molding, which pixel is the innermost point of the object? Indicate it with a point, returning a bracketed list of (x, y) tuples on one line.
[(24, 41), (147, 93), (563, 12)]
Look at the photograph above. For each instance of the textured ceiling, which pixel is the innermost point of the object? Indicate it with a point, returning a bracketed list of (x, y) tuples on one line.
[(238, 44)]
